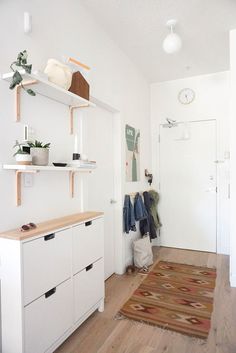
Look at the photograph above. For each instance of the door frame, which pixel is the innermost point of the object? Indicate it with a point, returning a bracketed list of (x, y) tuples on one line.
[(119, 246), (218, 215)]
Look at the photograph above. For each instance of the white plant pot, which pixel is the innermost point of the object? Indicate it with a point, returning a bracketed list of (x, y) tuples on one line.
[(24, 159), (40, 156)]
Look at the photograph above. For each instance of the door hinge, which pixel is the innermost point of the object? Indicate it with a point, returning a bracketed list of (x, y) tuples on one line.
[(216, 189), (159, 138)]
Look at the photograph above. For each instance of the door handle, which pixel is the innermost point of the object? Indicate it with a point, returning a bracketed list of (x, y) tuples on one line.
[(89, 267), (219, 162), (112, 201), (50, 292), (212, 190), (49, 237), (89, 223)]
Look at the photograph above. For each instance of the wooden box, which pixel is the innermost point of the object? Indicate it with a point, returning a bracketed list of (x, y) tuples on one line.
[(79, 85)]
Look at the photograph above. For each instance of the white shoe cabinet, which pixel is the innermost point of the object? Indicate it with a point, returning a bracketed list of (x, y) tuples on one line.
[(52, 279)]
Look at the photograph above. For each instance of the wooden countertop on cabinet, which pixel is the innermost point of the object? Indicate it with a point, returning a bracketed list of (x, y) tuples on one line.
[(50, 226)]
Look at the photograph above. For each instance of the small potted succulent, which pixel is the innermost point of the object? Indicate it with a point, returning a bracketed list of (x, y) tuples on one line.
[(22, 156), (39, 152)]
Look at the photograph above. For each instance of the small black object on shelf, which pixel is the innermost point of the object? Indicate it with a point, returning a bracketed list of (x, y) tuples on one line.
[(26, 149), (75, 156), (59, 164)]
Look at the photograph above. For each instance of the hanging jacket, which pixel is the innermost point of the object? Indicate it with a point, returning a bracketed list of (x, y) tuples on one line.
[(154, 197), (128, 215), (140, 211), (147, 225)]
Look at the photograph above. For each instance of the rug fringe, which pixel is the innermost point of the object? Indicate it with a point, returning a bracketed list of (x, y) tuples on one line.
[(165, 328), (120, 316), (185, 263)]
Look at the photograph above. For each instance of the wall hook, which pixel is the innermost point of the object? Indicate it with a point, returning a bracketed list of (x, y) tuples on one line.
[(149, 176)]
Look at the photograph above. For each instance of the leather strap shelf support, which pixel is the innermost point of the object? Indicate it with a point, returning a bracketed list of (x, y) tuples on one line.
[(17, 92), (48, 89), (19, 169), (71, 116), (18, 184)]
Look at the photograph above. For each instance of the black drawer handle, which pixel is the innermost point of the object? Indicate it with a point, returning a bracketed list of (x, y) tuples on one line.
[(49, 237), (50, 292), (89, 267), (88, 223)]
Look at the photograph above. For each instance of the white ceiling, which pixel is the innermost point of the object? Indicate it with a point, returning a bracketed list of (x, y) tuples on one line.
[(138, 27)]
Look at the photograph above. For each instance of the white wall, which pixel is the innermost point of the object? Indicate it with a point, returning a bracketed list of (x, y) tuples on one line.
[(62, 28), (233, 158), (211, 102)]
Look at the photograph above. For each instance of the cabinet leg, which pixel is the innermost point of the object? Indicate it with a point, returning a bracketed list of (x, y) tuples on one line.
[(101, 306)]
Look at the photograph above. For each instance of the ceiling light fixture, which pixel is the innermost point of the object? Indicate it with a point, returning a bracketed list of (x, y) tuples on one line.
[(172, 43)]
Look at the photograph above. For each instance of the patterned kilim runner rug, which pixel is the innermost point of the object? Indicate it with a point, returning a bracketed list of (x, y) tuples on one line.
[(175, 296)]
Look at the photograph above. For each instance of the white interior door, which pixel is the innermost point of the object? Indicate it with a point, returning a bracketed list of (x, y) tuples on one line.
[(100, 184), (188, 185)]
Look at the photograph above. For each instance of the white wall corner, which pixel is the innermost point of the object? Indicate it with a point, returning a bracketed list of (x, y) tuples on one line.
[(233, 280), (129, 261)]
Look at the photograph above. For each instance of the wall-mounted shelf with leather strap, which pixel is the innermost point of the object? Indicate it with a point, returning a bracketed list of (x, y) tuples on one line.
[(45, 88), (19, 169)]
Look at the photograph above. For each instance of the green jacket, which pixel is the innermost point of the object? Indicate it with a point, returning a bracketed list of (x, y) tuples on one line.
[(154, 196)]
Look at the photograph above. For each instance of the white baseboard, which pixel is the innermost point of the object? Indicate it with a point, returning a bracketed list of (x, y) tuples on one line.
[(129, 261), (233, 280)]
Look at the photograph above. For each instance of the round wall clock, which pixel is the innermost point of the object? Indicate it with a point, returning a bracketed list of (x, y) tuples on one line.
[(186, 96)]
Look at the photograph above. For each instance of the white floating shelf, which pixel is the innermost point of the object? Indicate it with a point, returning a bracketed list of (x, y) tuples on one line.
[(47, 168), (20, 169), (43, 87), (48, 89)]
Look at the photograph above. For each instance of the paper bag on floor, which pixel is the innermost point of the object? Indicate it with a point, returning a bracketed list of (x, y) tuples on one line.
[(143, 255)]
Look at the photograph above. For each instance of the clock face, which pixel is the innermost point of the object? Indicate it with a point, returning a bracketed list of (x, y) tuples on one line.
[(186, 96)]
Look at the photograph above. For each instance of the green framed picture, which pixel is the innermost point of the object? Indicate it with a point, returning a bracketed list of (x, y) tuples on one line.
[(132, 137)]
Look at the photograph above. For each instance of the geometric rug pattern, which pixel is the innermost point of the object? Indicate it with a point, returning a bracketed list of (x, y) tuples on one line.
[(175, 296)]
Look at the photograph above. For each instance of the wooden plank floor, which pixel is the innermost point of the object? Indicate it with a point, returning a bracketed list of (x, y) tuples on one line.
[(102, 334)]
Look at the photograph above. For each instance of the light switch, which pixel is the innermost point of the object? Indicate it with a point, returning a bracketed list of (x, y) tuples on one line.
[(28, 180), (29, 133)]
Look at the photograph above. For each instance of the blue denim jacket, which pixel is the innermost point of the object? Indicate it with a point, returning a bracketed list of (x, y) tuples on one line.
[(128, 215), (140, 211)]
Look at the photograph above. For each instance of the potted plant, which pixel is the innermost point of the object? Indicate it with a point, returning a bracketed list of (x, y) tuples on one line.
[(17, 79), (39, 152), (22, 157)]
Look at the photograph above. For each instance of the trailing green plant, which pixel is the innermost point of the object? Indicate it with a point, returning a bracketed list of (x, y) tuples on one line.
[(19, 147), (38, 144), (17, 79)]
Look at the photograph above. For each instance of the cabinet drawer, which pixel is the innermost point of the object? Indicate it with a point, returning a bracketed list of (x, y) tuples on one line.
[(46, 263), (88, 243), (88, 288), (48, 318)]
